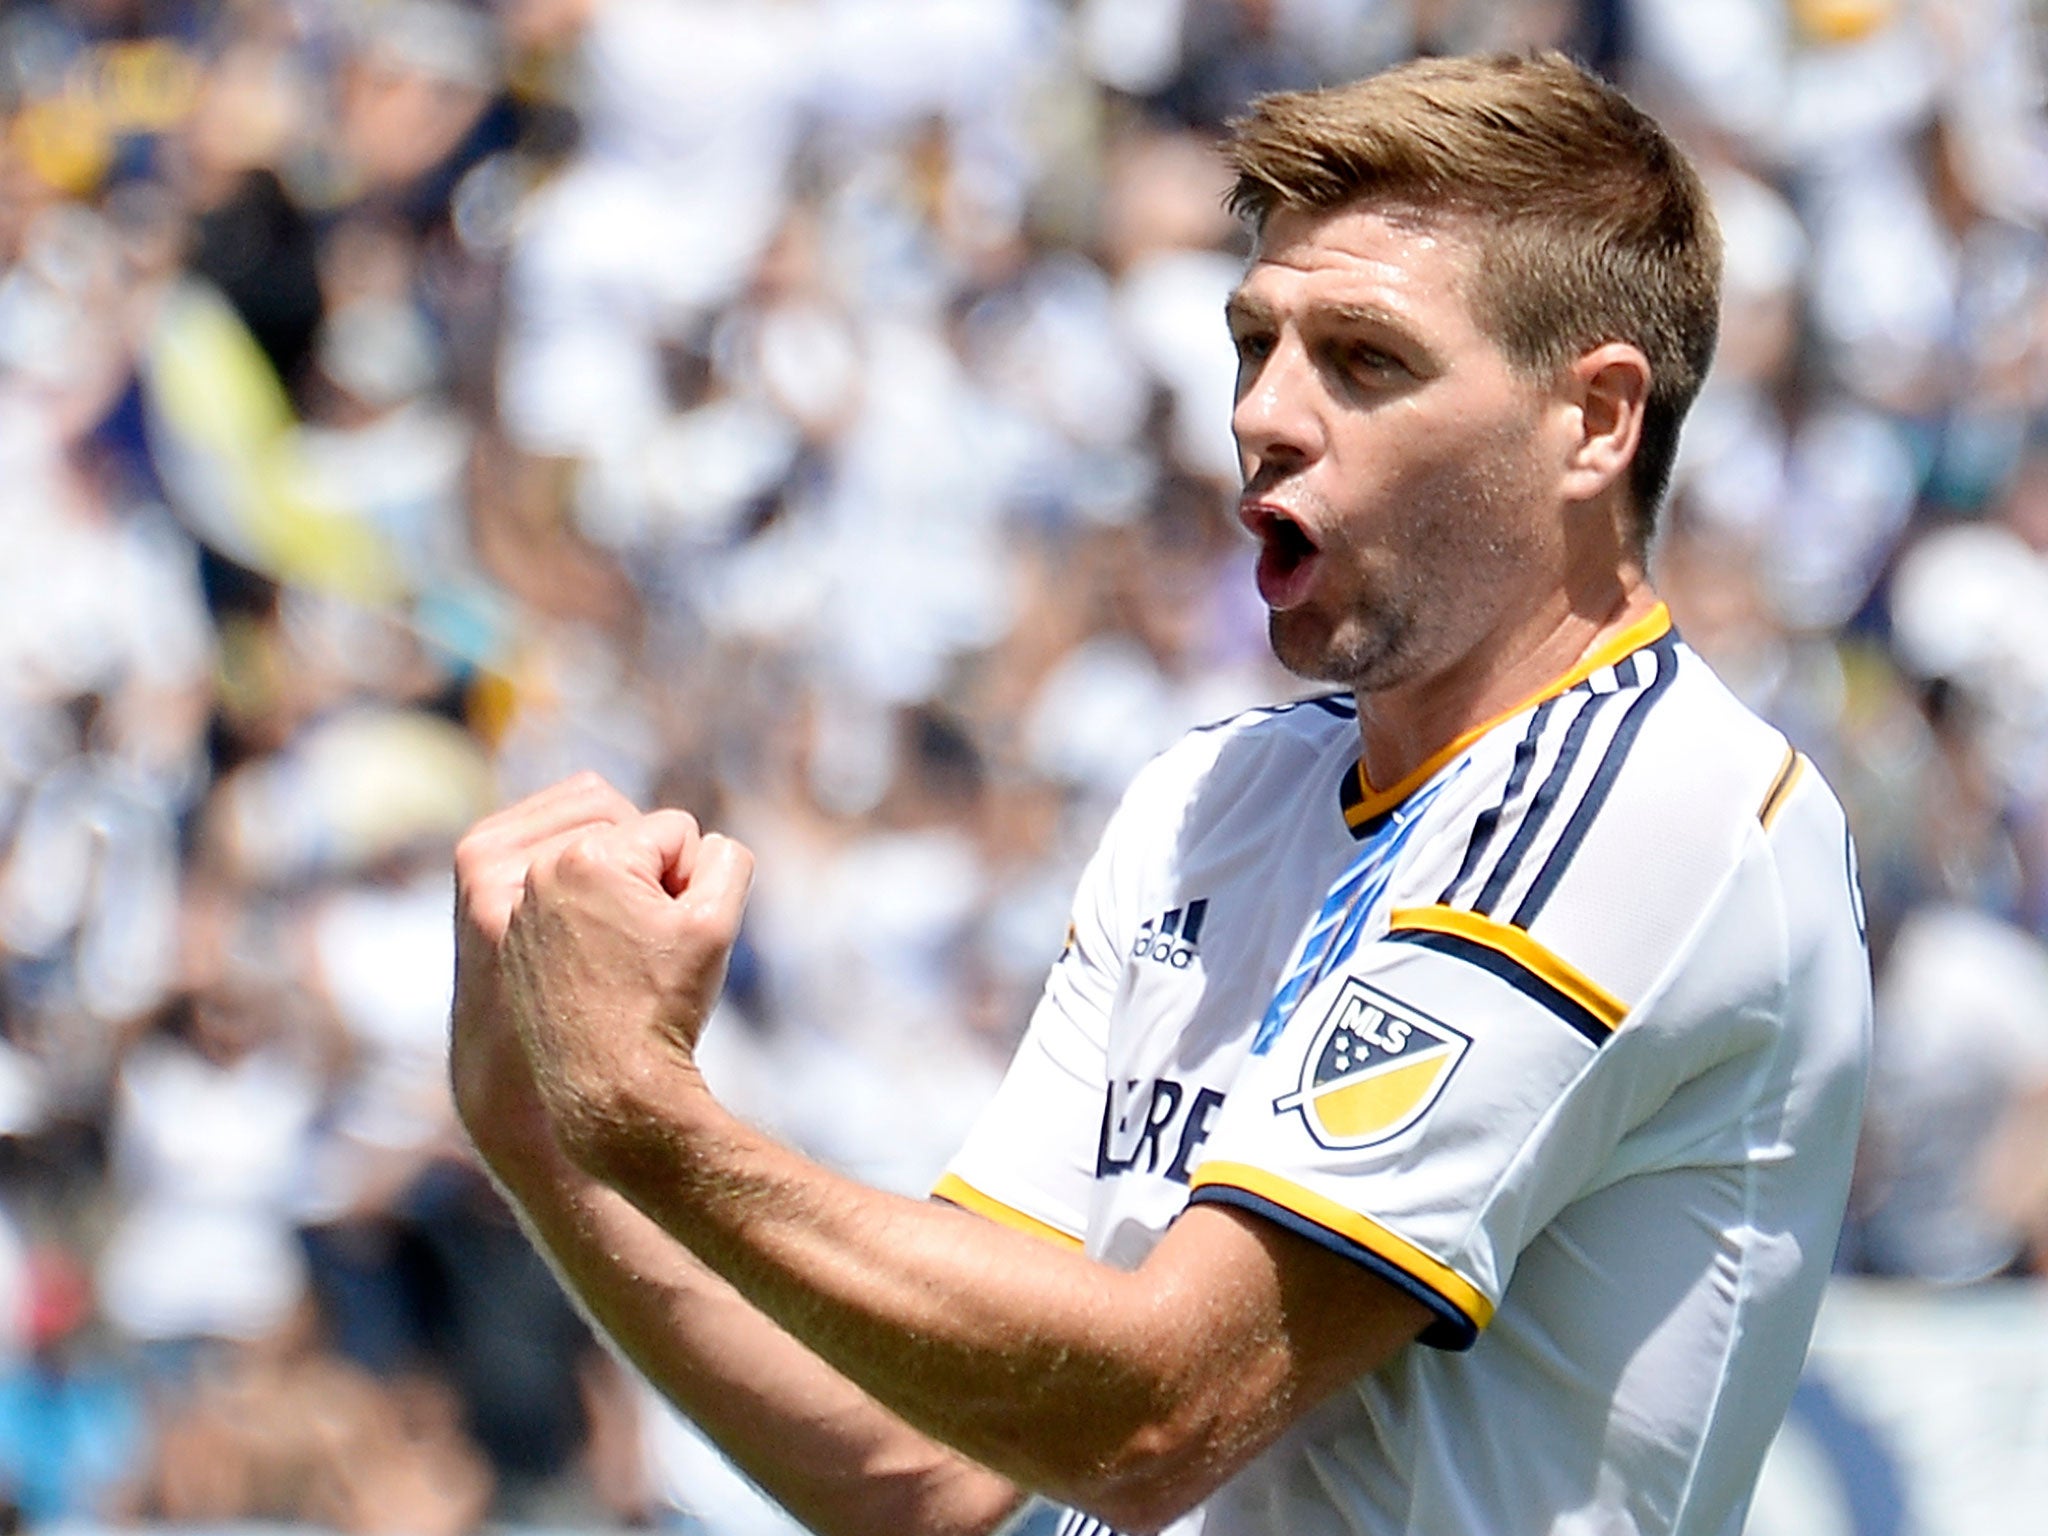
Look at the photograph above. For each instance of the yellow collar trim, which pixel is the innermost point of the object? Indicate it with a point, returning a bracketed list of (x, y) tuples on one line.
[(1362, 802)]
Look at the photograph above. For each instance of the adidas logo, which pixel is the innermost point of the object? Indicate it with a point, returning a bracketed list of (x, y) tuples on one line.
[(1172, 937)]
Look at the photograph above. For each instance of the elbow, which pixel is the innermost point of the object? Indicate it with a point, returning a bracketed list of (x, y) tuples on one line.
[(1157, 1474), (1165, 1439), (1139, 1511), (1142, 1508)]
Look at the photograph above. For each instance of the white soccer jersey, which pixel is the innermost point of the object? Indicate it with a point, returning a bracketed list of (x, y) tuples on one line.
[(1564, 1035)]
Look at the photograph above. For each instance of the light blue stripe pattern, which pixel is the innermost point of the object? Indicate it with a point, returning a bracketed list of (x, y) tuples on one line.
[(1342, 917)]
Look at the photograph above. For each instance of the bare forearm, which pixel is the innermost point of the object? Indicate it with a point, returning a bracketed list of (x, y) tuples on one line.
[(1071, 1377), (832, 1455)]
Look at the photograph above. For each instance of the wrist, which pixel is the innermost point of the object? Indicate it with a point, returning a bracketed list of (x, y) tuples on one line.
[(511, 1137), (647, 1124)]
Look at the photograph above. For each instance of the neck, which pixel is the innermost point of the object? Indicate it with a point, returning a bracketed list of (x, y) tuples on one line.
[(1522, 656)]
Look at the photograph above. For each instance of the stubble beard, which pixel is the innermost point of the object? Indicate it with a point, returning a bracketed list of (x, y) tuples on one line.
[(1369, 648), (1412, 607)]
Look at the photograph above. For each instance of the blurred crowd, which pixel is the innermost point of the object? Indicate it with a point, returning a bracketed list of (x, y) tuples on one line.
[(814, 413)]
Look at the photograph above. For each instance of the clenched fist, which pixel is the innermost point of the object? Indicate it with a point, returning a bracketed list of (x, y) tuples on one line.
[(592, 944)]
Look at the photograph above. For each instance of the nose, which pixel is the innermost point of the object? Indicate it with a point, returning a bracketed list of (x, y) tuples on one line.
[(1277, 423)]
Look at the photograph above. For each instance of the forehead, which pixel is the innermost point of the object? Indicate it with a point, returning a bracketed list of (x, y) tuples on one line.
[(1410, 264)]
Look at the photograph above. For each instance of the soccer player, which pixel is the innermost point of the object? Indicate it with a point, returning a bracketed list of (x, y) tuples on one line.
[(1440, 1119)]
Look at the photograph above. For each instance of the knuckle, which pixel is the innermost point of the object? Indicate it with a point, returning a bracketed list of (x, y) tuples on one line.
[(590, 781), (485, 878), (592, 786), (541, 873), (588, 854), (670, 825), (472, 852), (713, 925)]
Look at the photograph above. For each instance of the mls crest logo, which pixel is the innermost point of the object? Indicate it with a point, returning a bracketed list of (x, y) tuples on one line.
[(1374, 1066)]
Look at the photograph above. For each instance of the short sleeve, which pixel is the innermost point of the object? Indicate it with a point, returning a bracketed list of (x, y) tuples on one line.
[(1426, 1110), (1030, 1160)]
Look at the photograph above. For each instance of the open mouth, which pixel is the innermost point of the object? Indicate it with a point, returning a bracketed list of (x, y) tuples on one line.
[(1289, 543), (1287, 555)]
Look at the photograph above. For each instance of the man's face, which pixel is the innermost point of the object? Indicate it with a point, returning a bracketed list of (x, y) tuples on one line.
[(1394, 462)]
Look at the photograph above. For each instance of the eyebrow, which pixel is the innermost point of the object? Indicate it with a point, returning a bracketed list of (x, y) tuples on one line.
[(1366, 314), (1241, 309)]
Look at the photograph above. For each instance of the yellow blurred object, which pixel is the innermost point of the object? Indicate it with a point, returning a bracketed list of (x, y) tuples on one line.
[(67, 131), (143, 86), (383, 779), (352, 791), (64, 142), (222, 428), (1842, 21), (248, 674), (493, 703)]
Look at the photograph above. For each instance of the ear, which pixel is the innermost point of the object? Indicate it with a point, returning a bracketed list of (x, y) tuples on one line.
[(1607, 387)]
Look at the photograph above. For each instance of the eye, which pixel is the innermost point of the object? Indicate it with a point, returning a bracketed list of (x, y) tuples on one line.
[(1368, 362), (1252, 346)]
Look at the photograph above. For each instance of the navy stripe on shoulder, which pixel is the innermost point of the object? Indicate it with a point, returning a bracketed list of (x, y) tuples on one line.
[(1341, 705), (1525, 981), (1448, 1328), (1488, 824), (1540, 805), (1665, 648)]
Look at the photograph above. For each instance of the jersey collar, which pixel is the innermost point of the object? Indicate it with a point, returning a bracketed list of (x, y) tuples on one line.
[(1363, 805)]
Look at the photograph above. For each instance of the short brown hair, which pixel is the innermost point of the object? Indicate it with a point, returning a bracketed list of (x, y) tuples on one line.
[(1593, 225)]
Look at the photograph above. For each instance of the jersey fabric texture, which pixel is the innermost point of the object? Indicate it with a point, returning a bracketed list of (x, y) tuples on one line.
[(1564, 1035)]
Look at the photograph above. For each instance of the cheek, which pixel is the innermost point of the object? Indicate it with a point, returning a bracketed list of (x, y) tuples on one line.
[(1476, 496)]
